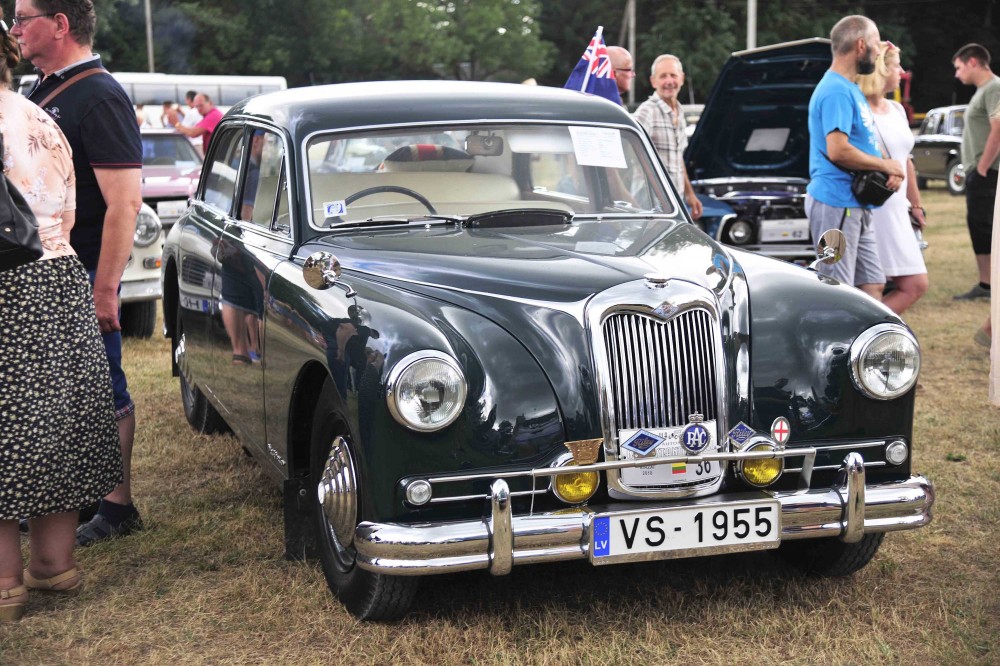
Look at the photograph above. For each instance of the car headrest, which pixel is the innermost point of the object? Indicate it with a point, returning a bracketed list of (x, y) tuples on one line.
[(427, 157)]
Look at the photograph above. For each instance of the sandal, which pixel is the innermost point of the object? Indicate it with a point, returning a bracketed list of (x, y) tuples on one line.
[(240, 359), (13, 611), (56, 583)]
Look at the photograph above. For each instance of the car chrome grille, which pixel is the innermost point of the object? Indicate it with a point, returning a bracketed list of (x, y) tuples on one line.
[(195, 271), (661, 371)]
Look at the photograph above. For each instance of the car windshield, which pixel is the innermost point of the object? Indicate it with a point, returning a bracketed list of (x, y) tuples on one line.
[(469, 170), (168, 150)]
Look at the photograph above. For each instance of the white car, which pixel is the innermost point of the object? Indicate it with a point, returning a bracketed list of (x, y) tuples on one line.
[(141, 279)]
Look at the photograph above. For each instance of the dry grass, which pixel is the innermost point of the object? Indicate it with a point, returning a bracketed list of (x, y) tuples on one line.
[(206, 583)]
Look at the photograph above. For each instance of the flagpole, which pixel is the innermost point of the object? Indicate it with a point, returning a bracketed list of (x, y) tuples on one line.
[(598, 36)]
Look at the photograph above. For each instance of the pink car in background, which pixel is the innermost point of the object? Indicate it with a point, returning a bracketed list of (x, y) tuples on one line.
[(170, 171)]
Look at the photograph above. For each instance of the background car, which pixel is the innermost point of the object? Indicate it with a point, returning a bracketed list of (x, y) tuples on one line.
[(750, 148), (692, 114), (170, 170), (937, 152), (475, 328), (140, 285)]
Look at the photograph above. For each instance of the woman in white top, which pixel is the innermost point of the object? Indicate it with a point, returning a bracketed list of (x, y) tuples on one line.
[(898, 248)]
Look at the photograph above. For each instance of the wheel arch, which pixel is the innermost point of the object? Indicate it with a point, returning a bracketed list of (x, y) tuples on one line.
[(302, 412), (170, 303)]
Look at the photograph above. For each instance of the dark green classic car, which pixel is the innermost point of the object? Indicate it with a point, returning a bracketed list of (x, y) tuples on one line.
[(468, 326)]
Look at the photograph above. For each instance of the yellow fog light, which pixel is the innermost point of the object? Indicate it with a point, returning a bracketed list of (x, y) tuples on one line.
[(575, 487), (764, 471)]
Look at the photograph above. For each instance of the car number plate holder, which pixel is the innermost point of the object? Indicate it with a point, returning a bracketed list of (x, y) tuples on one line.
[(776, 231), (685, 531)]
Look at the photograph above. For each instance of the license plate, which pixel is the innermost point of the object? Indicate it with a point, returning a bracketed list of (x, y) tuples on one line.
[(784, 230), (662, 533), (668, 474), (171, 208)]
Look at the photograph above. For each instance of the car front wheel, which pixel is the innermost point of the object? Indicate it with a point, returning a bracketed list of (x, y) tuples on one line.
[(336, 507), (138, 319), (831, 556), (956, 178)]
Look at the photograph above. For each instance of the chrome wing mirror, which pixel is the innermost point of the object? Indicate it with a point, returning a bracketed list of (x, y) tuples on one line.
[(321, 270), (830, 248)]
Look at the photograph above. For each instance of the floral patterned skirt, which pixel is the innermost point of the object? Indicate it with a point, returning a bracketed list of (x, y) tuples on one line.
[(59, 447)]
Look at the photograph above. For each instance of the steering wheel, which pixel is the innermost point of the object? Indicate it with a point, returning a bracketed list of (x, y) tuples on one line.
[(391, 188)]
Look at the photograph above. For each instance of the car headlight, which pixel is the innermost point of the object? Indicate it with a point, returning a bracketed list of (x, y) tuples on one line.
[(885, 361), (426, 391), (147, 228)]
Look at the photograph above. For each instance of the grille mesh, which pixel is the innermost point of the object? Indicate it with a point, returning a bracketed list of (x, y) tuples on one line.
[(661, 371)]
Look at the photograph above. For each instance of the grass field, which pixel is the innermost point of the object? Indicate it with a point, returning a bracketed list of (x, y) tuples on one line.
[(206, 582)]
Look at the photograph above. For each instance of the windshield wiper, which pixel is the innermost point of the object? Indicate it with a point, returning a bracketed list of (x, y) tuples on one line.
[(379, 220), (519, 217)]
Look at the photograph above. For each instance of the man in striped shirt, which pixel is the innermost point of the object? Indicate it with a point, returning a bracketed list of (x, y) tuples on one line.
[(663, 119)]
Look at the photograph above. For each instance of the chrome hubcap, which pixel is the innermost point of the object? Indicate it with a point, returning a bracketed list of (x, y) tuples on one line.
[(338, 492)]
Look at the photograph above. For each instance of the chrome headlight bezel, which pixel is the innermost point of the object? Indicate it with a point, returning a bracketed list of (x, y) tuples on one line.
[(863, 345), (397, 381), (147, 227)]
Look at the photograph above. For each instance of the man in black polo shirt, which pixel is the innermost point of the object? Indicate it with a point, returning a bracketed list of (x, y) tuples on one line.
[(98, 119)]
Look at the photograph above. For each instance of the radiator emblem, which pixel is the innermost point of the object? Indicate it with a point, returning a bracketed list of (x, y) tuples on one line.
[(695, 438), (642, 442)]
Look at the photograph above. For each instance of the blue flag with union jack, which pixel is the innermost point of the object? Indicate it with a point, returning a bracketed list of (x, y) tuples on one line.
[(594, 73)]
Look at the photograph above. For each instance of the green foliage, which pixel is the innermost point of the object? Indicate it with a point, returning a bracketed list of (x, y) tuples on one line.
[(323, 41)]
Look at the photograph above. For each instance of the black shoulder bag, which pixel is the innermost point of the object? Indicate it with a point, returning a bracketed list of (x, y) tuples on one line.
[(19, 242), (870, 188)]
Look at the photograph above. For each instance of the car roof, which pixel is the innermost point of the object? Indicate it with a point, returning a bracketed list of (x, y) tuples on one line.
[(303, 111), (782, 45), (946, 109)]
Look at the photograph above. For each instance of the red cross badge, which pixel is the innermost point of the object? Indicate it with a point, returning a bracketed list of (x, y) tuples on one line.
[(781, 430)]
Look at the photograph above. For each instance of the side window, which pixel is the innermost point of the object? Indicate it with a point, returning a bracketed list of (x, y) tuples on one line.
[(282, 223), (220, 178), (263, 178)]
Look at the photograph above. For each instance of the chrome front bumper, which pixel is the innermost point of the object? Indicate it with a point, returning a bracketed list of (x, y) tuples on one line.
[(502, 540)]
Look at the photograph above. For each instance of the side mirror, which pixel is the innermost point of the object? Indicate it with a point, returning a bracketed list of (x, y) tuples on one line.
[(830, 248), (321, 270)]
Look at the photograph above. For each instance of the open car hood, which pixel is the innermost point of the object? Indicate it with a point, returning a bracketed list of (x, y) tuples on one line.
[(755, 122)]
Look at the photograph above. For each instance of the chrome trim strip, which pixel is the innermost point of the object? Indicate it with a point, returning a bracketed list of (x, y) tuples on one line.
[(432, 548), (484, 496), (790, 470), (622, 464)]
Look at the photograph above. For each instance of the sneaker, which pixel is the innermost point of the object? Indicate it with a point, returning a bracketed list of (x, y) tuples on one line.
[(972, 294), (100, 529)]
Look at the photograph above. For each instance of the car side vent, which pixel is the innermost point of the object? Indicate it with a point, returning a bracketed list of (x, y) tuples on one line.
[(661, 371)]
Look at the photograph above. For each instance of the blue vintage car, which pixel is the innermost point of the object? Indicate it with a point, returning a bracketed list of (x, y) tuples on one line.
[(468, 326), (750, 149)]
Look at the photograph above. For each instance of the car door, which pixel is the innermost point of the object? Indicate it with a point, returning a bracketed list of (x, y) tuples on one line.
[(201, 233), (931, 147), (256, 239)]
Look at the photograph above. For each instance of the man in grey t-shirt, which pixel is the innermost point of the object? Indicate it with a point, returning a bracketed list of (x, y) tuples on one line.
[(980, 156)]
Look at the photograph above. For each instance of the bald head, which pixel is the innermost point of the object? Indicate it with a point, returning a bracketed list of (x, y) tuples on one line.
[(621, 61)]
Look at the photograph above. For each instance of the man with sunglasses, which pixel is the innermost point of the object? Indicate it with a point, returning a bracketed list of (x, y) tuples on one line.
[(98, 119), (621, 63)]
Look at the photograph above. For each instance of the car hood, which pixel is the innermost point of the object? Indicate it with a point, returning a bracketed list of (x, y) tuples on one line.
[(555, 267), (169, 181), (755, 122)]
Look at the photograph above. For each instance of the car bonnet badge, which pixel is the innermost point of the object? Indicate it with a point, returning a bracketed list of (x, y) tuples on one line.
[(781, 430), (695, 438), (642, 442), (740, 433)]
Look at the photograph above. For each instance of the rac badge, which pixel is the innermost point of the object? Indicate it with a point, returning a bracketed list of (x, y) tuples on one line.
[(695, 438)]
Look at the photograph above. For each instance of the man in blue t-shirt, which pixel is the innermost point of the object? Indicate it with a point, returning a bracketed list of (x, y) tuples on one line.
[(842, 139)]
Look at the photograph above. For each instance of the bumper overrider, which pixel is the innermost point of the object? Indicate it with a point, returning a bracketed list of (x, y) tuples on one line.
[(848, 510)]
